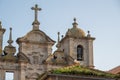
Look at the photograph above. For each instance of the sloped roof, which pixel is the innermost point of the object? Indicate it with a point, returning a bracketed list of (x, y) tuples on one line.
[(79, 71), (115, 70)]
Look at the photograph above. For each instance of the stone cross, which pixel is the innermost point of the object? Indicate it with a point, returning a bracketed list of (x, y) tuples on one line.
[(36, 10)]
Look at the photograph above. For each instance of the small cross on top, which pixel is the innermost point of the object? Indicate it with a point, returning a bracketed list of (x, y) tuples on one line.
[(36, 10)]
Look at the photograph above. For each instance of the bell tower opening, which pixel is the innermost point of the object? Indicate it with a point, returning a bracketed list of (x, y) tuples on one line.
[(9, 76), (79, 53)]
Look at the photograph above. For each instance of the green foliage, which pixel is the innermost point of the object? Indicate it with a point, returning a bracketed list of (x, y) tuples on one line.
[(80, 70)]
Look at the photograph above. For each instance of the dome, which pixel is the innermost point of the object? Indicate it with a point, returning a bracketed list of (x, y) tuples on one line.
[(75, 31)]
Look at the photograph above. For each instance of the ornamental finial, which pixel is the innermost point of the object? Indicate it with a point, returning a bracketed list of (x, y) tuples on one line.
[(9, 51), (88, 35), (10, 41), (75, 23), (58, 44), (74, 20)]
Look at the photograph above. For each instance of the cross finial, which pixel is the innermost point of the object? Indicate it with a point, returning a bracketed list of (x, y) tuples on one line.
[(10, 41), (36, 9)]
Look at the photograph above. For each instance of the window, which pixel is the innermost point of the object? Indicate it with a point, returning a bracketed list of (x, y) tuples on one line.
[(79, 53), (9, 76)]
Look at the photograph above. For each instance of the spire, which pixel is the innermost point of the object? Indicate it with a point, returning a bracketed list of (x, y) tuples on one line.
[(36, 23), (58, 44), (10, 41), (9, 49), (58, 37), (75, 23)]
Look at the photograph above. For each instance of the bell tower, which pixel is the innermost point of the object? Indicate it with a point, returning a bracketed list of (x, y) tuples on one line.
[(2, 30), (78, 45)]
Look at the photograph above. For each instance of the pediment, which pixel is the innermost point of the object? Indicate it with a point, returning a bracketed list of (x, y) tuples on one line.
[(36, 36)]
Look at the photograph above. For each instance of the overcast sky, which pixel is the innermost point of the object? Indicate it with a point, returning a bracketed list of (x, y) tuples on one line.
[(101, 17)]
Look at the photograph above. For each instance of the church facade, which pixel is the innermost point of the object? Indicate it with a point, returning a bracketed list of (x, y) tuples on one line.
[(35, 55)]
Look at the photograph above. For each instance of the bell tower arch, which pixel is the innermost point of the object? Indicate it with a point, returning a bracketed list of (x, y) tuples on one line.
[(79, 53)]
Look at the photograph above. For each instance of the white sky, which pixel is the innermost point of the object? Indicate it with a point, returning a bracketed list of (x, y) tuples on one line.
[(101, 17)]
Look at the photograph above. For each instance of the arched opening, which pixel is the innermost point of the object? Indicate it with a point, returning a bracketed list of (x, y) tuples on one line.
[(79, 53)]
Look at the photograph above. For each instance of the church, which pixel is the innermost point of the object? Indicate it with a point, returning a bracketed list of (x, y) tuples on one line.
[(35, 54)]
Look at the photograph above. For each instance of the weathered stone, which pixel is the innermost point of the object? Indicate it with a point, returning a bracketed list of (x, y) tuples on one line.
[(35, 52)]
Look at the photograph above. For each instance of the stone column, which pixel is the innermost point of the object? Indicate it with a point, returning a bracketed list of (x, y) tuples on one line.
[(71, 47), (16, 75), (3, 75), (90, 53), (22, 71), (0, 73), (2, 30)]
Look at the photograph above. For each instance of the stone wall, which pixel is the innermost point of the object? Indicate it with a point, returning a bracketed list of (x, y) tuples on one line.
[(69, 46), (9, 67)]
